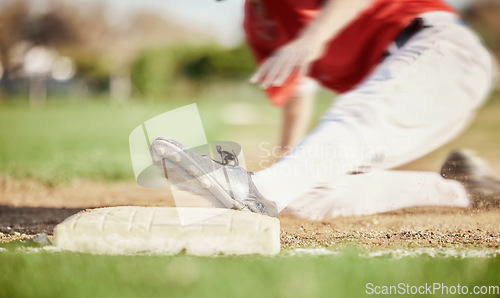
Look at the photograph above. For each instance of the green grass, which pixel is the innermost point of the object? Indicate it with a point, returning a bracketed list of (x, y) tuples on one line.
[(63, 141), (69, 139), (345, 275)]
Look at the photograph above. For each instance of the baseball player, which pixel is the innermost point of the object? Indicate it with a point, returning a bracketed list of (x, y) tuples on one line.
[(411, 75)]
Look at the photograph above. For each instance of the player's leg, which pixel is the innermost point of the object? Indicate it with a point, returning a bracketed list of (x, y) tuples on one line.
[(380, 191), (469, 183), (296, 115), (418, 99)]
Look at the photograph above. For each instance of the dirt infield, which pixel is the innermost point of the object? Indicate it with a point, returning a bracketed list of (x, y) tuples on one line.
[(408, 228), (29, 208)]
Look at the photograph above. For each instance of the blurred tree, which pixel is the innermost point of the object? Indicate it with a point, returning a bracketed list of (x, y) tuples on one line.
[(484, 16), (153, 71), (55, 28), (217, 63), (149, 44), (12, 16), (157, 70), (104, 49), (22, 28)]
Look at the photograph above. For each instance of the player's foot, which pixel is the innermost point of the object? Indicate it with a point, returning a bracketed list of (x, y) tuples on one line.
[(230, 186), (479, 181)]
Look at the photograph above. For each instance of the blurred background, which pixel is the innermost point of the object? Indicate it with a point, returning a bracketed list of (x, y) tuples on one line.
[(117, 49), (76, 77)]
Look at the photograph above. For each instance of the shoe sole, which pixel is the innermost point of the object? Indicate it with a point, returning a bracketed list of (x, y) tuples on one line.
[(482, 186), (176, 153)]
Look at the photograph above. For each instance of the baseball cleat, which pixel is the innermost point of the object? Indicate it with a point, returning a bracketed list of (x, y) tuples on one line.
[(480, 182), (228, 186)]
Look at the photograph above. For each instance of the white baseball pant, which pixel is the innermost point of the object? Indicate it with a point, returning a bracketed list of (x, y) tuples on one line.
[(417, 99)]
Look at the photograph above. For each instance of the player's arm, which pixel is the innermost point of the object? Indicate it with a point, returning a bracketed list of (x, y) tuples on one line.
[(296, 116), (308, 46)]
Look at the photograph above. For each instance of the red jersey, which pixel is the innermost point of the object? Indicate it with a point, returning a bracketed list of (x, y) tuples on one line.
[(350, 56)]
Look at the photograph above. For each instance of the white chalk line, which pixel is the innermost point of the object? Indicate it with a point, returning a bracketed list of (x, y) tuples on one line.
[(459, 253)]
